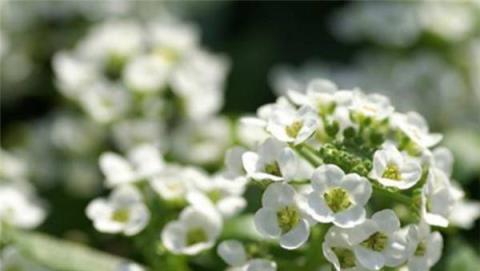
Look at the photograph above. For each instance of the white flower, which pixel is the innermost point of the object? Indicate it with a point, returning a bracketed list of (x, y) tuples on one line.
[(123, 212), (19, 207), (443, 160), (73, 73), (105, 102), (198, 81), (293, 126), (378, 241), (225, 194), (375, 106), (11, 166), (424, 247), (118, 39), (394, 169), (129, 133), (233, 163), (437, 200), (416, 128), (274, 161), (171, 40), (173, 183), (195, 230), (464, 212), (146, 74), (143, 162), (338, 251), (234, 254), (338, 198), (281, 217), (201, 142)]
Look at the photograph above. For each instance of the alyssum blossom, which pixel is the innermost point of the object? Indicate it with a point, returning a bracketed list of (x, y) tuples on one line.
[(123, 212)]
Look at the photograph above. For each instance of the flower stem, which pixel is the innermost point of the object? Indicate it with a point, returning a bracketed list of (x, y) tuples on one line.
[(63, 255), (396, 196)]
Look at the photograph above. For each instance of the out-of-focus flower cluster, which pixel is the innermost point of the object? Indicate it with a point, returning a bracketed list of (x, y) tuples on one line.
[(423, 54), (151, 83)]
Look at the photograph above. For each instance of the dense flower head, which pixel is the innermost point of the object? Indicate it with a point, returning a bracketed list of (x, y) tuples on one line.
[(333, 158), (333, 169)]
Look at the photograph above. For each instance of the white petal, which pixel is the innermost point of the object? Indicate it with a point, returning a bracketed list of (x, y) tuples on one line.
[(116, 169), (368, 258), (417, 264), (232, 252), (387, 221), (139, 217), (326, 176), (318, 208), (350, 217), (250, 161), (277, 195), (173, 236), (261, 265), (434, 248), (358, 187), (266, 222), (295, 237), (288, 164)]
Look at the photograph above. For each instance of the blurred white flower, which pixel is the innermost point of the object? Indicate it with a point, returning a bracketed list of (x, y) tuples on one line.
[(437, 201), (144, 162), (19, 206), (174, 182), (281, 216), (338, 198), (394, 169), (274, 161), (225, 194), (105, 102), (201, 142), (112, 39), (293, 126), (424, 247), (194, 231), (375, 106), (234, 254), (464, 212), (416, 128), (146, 74), (123, 212), (171, 40), (128, 133)]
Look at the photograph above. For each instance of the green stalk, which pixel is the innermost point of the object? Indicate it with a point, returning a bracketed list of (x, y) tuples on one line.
[(63, 255)]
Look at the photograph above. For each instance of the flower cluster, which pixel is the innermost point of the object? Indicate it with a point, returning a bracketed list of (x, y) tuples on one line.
[(339, 168), (19, 205), (346, 160), (148, 83), (149, 195)]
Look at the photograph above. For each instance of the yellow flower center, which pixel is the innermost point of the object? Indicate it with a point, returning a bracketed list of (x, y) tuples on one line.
[(345, 257), (392, 172), (195, 236), (337, 199), (377, 242), (273, 169), (294, 128), (421, 249), (121, 215), (287, 218)]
